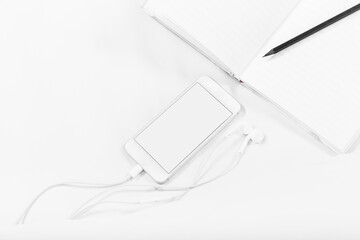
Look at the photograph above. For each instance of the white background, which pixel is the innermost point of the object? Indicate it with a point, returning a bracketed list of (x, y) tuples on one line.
[(79, 78)]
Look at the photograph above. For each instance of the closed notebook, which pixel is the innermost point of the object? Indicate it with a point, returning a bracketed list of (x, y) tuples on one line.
[(316, 82)]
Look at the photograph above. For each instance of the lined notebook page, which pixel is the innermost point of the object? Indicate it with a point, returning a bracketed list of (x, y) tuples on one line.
[(317, 80), (232, 30)]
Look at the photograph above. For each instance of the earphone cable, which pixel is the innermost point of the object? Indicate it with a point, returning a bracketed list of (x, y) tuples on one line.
[(132, 174), (87, 206)]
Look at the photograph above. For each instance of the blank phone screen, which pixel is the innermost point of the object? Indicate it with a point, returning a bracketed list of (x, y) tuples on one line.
[(183, 127)]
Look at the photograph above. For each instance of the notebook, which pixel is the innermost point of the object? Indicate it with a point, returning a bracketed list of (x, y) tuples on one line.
[(315, 82)]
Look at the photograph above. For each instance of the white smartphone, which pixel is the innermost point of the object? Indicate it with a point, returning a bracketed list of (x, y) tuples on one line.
[(174, 136)]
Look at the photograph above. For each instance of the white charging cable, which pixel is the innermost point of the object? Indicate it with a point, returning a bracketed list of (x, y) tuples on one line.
[(184, 190), (251, 135), (99, 199), (131, 175), (249, 131)]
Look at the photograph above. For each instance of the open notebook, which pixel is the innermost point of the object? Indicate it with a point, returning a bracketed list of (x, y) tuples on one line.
[(316, 82)]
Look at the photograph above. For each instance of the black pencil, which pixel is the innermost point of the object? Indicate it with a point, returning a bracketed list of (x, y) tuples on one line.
[(313, 30)]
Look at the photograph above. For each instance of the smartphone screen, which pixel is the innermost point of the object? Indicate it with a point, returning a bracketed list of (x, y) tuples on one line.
[(183, 127)]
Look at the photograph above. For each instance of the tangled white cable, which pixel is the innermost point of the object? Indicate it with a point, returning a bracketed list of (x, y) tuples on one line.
[(132, 174), (251, 135)]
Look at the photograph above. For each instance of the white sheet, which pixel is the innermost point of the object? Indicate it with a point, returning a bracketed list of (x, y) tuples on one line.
[(318, 79)]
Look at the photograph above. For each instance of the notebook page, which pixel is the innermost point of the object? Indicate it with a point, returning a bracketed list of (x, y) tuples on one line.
[(317, 80), (232, 30)]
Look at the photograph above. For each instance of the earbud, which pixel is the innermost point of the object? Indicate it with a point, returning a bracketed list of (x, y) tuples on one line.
[(252, 135), (243, 128), (256, 136)]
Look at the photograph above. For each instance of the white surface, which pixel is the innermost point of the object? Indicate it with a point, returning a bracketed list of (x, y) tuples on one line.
[(70, 71), (183, 127)]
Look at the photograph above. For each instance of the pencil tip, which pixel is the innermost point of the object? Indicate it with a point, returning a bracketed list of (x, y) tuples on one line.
[(271, 52)]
